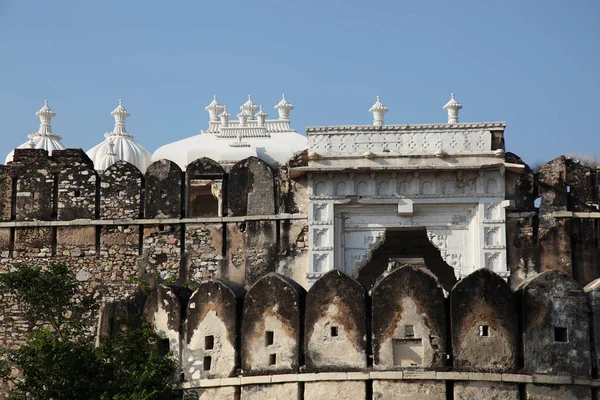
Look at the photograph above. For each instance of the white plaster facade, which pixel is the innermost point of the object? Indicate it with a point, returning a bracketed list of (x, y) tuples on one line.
[(365, 180)]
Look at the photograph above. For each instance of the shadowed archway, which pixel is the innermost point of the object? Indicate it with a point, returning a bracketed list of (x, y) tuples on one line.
[(406, 246)]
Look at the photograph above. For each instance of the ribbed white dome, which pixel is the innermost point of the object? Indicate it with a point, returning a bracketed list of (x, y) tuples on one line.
[(226, 142), (44, 138), (124, 146), (125, 149)]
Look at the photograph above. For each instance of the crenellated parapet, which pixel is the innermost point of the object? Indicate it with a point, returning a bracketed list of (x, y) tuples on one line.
[(275, 341)]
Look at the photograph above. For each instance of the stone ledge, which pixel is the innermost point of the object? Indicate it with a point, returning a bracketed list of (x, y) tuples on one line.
[(155, 221), (403, 375), (253, 380)]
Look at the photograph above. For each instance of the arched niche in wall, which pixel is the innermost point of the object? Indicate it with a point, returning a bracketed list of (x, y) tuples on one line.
[(211, 331), (251, 188), (204, 188), (483, 311), (272, 327), (76, 185), (335, 324), (408, 320), (121, 191), (163, 190), (555, 324)]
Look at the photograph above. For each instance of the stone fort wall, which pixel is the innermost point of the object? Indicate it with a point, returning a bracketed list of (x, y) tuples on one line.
[(117, 227), (402, 340)]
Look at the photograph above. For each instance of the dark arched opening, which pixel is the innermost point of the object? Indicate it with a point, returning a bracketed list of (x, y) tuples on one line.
[(406, 246)]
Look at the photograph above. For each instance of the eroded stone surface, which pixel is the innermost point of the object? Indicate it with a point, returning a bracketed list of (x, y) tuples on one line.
[(485, 390), (567, 392), (483, 311), (335, 324), (349, 390), (282, 391), (409, 390), (409, 322)]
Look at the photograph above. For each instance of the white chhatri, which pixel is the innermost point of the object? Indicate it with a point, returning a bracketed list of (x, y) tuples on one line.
[(229, 141), (44, 138), (120, 144), (452, 107)]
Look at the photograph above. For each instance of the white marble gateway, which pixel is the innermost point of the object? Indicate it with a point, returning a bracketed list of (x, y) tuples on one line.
[(446, 178)]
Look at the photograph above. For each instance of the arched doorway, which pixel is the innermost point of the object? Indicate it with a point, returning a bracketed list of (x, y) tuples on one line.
[(406, 246)]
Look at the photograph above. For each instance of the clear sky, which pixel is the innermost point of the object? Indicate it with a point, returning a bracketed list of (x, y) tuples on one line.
[(534, 64)]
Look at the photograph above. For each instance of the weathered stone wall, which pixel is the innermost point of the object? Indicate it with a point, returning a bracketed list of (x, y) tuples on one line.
[(408, 321), (556, 334), (110, 248), (482, 311), (76, 184), (336, 324), (121, 192), (163, 190)]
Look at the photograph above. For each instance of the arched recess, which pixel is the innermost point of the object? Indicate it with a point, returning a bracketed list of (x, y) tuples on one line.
[(407, 246), (204, 188)]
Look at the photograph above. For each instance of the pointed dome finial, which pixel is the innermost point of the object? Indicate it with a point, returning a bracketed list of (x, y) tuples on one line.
[(214, 109), (249, 108), (378, 110), (120, 114), (452, 107), (45, 114), (284, 108)]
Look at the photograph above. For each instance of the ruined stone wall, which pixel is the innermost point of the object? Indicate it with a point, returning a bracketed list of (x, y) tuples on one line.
[(559, 231)]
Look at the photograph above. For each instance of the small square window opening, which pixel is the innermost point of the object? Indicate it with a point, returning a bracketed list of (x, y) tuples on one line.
[(484, 330), (269, 338)]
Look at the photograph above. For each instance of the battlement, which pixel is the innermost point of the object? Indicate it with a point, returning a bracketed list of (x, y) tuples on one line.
[(403, 336)]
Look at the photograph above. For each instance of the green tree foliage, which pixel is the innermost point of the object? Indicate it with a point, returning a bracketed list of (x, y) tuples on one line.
[(59, 359)]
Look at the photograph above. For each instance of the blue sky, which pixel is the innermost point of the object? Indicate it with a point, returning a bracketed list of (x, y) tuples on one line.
[(534, 64)]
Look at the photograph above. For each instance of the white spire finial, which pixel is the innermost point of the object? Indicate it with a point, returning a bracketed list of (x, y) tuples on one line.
[(452, 107), (249, 108), (284, 108), (378, 110), (243, 117), (214, 109), (45, 114), (120, 114), (261, 116), (224, 117)]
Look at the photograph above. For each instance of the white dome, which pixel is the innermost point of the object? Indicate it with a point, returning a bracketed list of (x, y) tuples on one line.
[(125, 149), (124, 146), (44, 138), (227, 142)]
